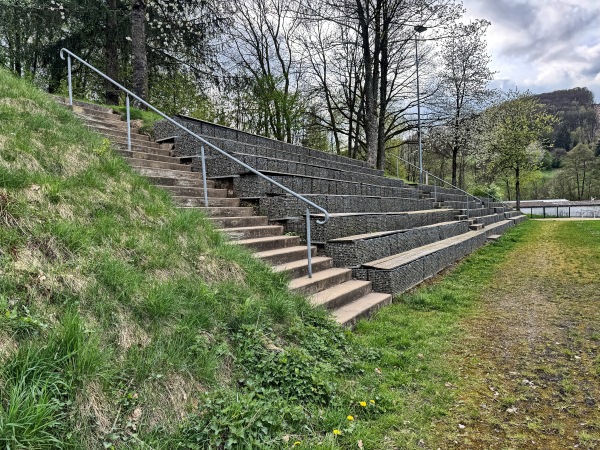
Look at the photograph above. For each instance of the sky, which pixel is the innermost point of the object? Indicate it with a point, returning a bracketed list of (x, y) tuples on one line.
[(542, 45)]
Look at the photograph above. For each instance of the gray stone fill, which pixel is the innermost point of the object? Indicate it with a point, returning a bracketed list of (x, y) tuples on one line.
[(354, 253)]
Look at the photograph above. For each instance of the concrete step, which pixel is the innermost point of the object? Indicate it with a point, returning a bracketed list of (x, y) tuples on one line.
[(476, 226), (320, 281), (103, 116), (269, 243), (460, 217), (349, 314), (223, 211), (253, 232), (146, 146), (493, 237), (339, 295), (158, 165), (285, 255), (167, 173), (299, 268), (135, 137), (195, 191), (119, 125), (198, 202), (148, 156), (167, 181), (238, 222)]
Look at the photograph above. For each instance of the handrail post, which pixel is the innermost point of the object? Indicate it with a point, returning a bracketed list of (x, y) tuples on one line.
[(128, 123), (308, 244), (468, 208), (70, 80), (204, 176), (435, 190)]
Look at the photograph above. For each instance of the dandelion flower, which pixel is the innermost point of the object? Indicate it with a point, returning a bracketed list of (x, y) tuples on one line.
[(372, 402), (350, 417), (337, 432), (363, 404), (296, 443)]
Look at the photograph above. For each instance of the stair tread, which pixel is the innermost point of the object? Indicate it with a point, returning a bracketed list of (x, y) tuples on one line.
[(265, 239), (242, 229), (298, 283), (299, 263), (281, 251), (353, 309), (326, 295)]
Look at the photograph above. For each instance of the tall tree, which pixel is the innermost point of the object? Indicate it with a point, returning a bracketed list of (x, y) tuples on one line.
[(465, 76), (138, 49), (516, 130)]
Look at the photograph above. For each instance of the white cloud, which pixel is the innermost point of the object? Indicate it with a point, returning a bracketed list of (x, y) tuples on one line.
[(543, 45)]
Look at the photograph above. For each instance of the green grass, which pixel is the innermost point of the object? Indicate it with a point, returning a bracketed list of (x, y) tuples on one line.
[(128, 323)]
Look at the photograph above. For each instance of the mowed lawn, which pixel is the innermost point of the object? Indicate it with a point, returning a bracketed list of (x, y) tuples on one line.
[(527, 358), (499, 353)]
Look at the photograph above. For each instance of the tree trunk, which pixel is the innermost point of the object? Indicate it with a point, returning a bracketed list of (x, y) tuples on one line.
[(517, 188), (138, 41), (454, 164), (111, 53)]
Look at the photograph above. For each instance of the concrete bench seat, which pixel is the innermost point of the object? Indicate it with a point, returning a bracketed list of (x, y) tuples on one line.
[(348, 224), (188, 145), (221, 165), (398, 273), (251, 185), (353, 251), (287, 205)]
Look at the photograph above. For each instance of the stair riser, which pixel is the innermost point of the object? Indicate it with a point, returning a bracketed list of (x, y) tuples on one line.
[(237, 222), (195, 192), (253, 233), (298, 272), (366, 313), (135, 137), (320, 285), (288, 257), (348, 297), (158, 165), (176, 182), (117, 125), (103, 113), (228, 212), (148, 156), (136, 146), (193, 202), (271, 244)]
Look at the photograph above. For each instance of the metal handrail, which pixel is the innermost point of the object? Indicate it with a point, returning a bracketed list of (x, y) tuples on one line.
[(429, 174), (203, 141)]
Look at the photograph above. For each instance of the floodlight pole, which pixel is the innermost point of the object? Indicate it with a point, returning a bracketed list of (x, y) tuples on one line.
[(418, 30)]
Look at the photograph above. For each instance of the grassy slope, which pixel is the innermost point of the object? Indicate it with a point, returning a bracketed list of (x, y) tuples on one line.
[(126, 322)]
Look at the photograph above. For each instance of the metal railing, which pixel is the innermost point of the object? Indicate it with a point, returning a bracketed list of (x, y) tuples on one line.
[(202, 155), (429, 174)]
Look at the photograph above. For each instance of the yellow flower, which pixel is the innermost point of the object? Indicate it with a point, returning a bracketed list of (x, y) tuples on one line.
[(296, 443), (350, 417), (372, 402), (336, 432), (363, 404)]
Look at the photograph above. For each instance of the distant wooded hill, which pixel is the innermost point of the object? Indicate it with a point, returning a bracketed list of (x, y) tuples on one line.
[(577, 114)]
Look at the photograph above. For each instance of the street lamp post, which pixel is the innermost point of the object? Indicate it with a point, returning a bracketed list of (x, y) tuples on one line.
[(419, 29)]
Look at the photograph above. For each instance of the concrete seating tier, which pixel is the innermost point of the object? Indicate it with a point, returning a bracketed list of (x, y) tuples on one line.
[(353, 251), (250, 149), (349, 224), (250, 185), (400, 272), (218, 166), (287, 206), (187, 145)]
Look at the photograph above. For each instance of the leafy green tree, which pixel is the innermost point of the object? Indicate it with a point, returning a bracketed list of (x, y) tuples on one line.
[(513, 141), (579, 164)]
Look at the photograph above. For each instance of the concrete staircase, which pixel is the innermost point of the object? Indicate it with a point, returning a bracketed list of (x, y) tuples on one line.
[(330, 287), (387, 233)]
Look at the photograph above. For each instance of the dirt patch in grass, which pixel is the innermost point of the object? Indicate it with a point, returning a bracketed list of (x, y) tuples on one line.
[(528, 359)]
